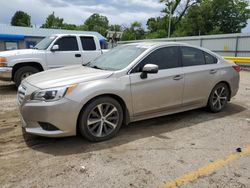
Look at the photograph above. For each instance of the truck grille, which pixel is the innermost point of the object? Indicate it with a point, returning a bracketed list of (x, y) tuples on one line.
[(21, 94)]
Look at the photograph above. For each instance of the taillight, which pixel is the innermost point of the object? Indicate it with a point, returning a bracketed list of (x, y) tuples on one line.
[(236, 68)]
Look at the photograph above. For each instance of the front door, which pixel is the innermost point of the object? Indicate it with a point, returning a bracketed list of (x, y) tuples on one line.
[(67, 54), (161, 91)]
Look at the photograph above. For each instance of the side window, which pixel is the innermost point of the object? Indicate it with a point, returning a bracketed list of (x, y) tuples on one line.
[(165, 58), (67, 44), (192, 56), (88, 43), (210, 59)]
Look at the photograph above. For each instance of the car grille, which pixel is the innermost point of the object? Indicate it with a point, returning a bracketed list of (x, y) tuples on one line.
[(21, 94)]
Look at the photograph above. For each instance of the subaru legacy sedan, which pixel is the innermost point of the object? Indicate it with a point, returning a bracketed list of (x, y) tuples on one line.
[(129, 83)]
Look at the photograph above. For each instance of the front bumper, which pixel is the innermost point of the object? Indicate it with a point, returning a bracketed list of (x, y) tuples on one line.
[(62, 114), (5, 73)]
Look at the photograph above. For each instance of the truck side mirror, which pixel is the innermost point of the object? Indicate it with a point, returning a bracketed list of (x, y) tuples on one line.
[(55, 47)]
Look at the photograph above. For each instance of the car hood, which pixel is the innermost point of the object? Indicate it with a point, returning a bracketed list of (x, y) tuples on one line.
[(66, 76)]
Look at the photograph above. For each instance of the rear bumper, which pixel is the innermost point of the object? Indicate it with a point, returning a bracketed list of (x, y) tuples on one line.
[(5, 73)]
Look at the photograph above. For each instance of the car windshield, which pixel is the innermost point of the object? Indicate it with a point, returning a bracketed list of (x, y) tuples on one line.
[(117, 58), (44, 44)]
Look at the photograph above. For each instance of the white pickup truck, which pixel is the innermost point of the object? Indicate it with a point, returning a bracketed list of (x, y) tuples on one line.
[(52, 52)]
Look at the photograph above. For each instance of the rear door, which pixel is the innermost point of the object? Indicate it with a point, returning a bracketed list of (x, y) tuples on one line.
[(161, 91), (89, 49), (67, 54), (201, 73)]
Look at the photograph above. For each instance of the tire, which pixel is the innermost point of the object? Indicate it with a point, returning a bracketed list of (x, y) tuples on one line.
[(101, 119), (218, 98), (23, 73)]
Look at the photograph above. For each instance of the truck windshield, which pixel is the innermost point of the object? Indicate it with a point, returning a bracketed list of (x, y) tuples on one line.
[(44, 44), (117, 58)]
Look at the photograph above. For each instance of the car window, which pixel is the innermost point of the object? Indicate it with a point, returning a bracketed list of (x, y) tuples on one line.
[(67, 44), (192, 56), (210, 59), (165, 58), (88, 43)]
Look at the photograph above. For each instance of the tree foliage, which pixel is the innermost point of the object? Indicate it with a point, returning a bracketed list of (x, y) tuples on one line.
[(53, 22), (200, 17), (215, 17), (97, 22), (21, 18), (134, 32)]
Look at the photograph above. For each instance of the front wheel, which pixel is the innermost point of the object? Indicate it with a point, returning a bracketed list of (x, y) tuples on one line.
[(23, 73), (218, 97), (101, 119)]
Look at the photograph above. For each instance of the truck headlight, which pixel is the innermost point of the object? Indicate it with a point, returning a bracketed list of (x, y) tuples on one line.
[(52, 94), (2, 60)]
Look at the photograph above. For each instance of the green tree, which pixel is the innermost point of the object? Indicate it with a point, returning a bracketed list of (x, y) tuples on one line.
[(214, 17), (177, 9), (97, 22), (21, 18), (230, 16), (53, 22), (134, 32), (115, 27), (157, 27), (70, 26)]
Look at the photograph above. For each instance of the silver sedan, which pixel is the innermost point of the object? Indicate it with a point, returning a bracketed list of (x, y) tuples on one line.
[(129, 83)]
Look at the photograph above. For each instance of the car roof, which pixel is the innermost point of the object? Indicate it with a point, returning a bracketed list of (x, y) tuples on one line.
[(72, 34), (156, 44)]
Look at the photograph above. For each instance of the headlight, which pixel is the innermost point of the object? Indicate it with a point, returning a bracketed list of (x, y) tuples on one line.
[(3, 59), (52, 94)]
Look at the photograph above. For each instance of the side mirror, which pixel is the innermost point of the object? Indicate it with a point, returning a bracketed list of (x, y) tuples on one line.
[(149, 69), (55, 47)]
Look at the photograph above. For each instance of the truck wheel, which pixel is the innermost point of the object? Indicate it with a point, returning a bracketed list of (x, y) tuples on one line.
[(101, 119), (23, 73)]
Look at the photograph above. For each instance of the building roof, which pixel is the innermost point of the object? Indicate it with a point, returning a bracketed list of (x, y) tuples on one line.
[(41, 32)]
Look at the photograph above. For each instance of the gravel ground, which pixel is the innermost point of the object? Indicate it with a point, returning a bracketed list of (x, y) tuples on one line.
[(144, 154)]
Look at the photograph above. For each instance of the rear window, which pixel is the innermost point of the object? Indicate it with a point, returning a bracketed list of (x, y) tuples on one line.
[(192, 56), (88, 43), (210, 59)]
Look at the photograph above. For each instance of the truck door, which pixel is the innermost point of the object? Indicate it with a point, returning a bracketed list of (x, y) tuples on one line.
[(90, 50), (67, 54)]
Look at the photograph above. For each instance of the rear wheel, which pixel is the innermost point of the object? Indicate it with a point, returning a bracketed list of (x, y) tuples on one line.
[(101, 119), (23, 73), (218, 97)]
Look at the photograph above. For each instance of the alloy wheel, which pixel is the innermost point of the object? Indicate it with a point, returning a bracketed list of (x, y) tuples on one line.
[(219, 98), (103, 119)]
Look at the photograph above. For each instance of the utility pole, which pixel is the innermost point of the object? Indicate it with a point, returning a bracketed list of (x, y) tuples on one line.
[(169, 21)]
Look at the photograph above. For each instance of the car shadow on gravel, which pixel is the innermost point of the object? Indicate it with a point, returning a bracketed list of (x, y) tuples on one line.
[(8, 89), (134, 131)]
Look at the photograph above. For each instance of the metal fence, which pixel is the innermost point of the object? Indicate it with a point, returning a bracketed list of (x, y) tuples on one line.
[(236, 45)]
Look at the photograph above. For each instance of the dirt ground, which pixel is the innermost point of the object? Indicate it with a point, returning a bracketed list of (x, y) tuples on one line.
[(144, 154)]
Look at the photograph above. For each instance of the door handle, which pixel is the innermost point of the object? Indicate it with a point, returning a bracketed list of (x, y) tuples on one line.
[(77, 55), (177, 77), (213, 71)]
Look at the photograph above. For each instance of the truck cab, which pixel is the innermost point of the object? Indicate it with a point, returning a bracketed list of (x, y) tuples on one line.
[(55, 51)]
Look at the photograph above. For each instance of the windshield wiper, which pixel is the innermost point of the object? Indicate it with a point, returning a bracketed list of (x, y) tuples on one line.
[(85, 64), (96, 67)]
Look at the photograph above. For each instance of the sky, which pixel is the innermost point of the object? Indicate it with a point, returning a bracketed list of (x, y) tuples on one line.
[(121, 12), (77, 11)]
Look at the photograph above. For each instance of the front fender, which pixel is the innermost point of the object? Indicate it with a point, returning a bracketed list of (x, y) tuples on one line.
[(115, 86)]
